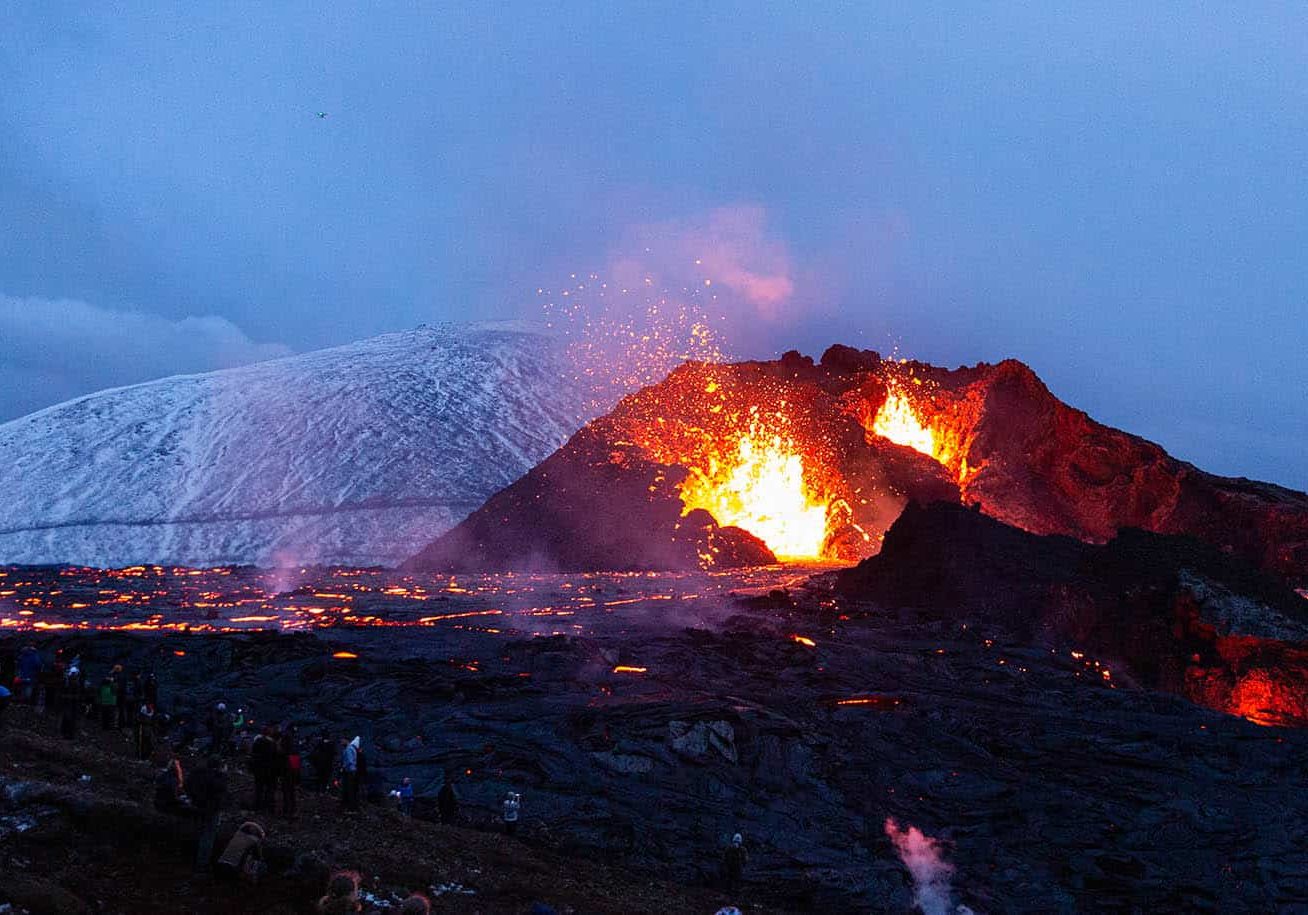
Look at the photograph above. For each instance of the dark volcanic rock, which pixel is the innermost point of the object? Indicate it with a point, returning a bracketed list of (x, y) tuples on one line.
[(1179, 614), (1054, 791)]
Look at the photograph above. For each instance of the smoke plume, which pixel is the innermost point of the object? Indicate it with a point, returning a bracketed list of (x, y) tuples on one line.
[(925, 859)]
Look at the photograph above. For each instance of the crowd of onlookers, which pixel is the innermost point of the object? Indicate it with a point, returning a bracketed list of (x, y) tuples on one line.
[(123, 699)]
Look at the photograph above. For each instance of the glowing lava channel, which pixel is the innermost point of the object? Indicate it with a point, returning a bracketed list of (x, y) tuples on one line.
[(761, 489)]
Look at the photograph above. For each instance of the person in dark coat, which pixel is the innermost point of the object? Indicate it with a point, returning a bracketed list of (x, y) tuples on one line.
[(323, 759), (288, 769), (71, 706), (263, 766), (733, 862), (170, 788), (208, 792), (447, 801), (29, 672), (145, 731)]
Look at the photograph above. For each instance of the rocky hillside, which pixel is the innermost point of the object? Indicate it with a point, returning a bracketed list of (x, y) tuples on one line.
[(839, 448), (1176, 614), (354, 455)]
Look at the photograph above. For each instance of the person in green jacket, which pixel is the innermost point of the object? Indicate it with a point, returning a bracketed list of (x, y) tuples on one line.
[(107, 699)]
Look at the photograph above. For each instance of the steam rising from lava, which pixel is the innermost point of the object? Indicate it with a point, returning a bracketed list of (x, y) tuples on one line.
[(925, 859)]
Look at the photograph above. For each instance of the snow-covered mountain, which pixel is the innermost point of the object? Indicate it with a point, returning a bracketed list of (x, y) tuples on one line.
[(360, 454)]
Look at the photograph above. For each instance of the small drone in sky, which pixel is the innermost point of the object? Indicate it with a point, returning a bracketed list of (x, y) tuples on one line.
[(322, 114)]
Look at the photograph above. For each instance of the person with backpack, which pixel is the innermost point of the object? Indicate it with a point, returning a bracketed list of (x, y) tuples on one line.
[(170, 788), (242, 859)]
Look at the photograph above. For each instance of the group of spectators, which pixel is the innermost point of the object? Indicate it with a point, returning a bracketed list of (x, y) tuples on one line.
[(128, 699)]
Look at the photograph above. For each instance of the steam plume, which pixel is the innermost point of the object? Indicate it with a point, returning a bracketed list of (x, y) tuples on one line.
[(925, 859)]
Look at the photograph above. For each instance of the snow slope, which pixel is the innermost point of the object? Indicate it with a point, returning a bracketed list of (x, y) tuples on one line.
[(360, 454)]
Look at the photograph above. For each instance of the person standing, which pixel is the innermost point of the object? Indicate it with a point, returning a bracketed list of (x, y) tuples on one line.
[(29, 672), (511, 808), (208, 792), (263, 766), (733, 862), (71, 706), (447, 801), (145, 731), (350, 775), (405, 795), (323, 759), (107, 700), (288, 769)]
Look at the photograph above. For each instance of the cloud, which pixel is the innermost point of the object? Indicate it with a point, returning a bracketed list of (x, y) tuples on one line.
[(729, 247), (55, 349)]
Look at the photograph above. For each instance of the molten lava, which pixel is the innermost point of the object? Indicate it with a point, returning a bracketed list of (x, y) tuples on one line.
[(760, 486), (899, 422)]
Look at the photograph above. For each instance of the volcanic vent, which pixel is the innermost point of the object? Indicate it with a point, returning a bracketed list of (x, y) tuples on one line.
[(744, 463)]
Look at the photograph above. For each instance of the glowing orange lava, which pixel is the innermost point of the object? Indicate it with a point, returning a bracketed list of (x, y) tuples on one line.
[(899, 422), (761, 488)]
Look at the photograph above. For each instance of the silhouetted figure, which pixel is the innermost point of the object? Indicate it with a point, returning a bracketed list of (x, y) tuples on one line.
[(263, 766), (447, 802), (288, 769), (208, 793), (350, 774), (733, 862), (145, 731), (323, 760), (29, 672), (510, 810), (107, 701), (170, 788)]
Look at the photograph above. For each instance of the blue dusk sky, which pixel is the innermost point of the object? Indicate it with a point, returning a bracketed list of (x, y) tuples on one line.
[(1116, 194)]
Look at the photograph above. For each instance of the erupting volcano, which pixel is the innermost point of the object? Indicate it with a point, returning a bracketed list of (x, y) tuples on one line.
[(735, 464)]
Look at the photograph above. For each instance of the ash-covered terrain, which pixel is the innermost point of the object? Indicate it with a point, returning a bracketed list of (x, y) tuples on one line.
[(358, 454)]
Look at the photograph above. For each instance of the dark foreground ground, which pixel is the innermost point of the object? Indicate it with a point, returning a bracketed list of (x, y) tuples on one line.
[(1055, 781), (68, 846)]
